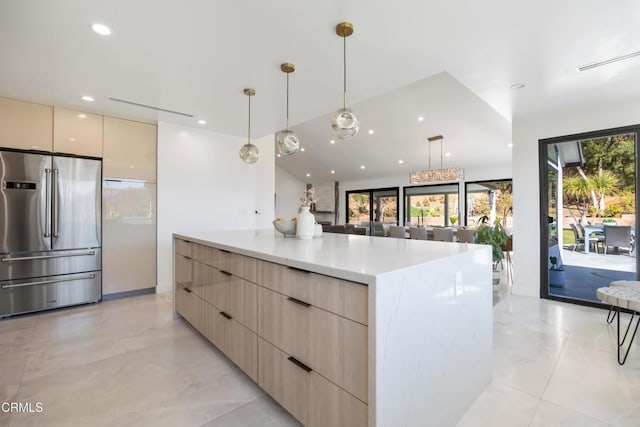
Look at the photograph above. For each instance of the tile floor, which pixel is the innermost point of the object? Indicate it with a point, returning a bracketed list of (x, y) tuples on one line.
[(128, 362)]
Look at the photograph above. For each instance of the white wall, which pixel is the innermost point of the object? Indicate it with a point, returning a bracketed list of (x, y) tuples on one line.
[(502, 171), (203, 185), (289, 190), (526, 203)]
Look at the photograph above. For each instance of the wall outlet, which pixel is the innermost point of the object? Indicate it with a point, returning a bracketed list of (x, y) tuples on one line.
[(458, 287)]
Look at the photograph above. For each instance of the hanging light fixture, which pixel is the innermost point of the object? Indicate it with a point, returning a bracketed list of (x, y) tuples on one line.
[(436, 175), (249, 153), (345, 124), (287, 141)]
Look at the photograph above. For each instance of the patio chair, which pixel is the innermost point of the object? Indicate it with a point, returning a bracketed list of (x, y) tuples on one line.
[(397, 231), (418, 233), (576, 234), (617, 236), (443, 234), (595, 237), (466, 236)]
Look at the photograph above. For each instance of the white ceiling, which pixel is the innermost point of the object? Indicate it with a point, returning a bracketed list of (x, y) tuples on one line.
[(474, 134), (196, 56)]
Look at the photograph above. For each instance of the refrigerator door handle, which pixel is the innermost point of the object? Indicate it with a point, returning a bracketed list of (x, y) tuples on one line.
[(47, 218), (48, 282), (54, 210), (29, 258)]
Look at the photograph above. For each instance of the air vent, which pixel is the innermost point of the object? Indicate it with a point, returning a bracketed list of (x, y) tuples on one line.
[(609, 61), (151, 107)]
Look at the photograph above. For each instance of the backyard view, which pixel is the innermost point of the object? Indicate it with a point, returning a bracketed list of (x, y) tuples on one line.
[(591, 214)]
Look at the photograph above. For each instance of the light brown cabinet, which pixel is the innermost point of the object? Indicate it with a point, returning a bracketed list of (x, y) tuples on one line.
[(25, 125), (77, 132), (301, 336), (129, 150)]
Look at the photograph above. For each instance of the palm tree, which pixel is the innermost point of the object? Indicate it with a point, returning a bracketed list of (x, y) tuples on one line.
[(603, 184), (578, 190)]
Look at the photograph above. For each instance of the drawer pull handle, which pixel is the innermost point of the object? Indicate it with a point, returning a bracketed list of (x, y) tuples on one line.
[(225, 272), (187, 257), (223, 314), (187, 290), (299, 302), (299, 364), (298, 269), (225, 251)]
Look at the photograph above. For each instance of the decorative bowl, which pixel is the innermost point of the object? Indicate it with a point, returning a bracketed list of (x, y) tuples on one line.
[(286, 227)]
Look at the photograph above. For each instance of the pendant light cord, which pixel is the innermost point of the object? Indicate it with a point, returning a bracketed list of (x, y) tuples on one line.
[(287, 127), (344, 74), (249, 125)]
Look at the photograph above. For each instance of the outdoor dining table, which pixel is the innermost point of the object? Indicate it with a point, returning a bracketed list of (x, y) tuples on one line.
[(599, 228)]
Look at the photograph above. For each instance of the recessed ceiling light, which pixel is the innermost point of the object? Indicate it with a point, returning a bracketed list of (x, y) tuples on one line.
[(362, 167), (72, 139), (278, 155), (87, 98), (202, 122), (370, 131), (517, 86), (82, 116), (101, 29), (302, 149), (308, 175), (447, 154), (332, 141), (510, 145), (400, 161), (34, 146), (420, 119), (333, 171)]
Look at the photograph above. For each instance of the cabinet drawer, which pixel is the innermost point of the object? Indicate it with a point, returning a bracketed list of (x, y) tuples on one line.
[(348, 299), (183, 247), (244, 266), (214, 257), (241, 346), (333, 346), (184, 271), (309, 397), (191, 307), (233, 295)]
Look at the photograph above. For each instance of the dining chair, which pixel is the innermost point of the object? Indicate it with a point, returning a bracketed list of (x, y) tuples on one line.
[(466, 235), (377, 229), (397, 231), (418, 233), (443, 234)]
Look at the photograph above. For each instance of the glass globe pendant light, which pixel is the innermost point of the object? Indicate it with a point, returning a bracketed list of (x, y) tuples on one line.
[(287, 141), (249, 153), (344, 122)]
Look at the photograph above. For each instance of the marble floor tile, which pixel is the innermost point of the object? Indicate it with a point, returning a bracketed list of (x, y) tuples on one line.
[(592, 382), (549, 414), (262, 412), (500, 406)]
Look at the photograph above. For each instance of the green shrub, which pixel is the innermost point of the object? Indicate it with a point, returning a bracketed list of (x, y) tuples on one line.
[(613, 210)]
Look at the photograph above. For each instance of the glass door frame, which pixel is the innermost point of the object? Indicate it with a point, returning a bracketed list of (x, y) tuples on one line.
[(544, 202), (371, 192)]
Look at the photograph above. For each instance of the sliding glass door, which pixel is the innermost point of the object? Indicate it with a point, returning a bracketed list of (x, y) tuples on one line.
[(588, 213), (493, 199), (431, 205), (372, 206)]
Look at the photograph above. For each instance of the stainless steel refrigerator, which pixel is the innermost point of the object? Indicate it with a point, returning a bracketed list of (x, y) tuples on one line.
[(50, 231)]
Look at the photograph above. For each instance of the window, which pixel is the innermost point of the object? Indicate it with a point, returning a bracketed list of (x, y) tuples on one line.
[(431, 205), (377, 205), (493, 199)]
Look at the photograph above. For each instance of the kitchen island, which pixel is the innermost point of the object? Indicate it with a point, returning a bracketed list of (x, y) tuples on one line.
[(345, 330)]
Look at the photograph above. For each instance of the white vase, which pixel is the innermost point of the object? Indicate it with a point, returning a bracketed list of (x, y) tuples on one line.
[(306, 224), (318, 230)]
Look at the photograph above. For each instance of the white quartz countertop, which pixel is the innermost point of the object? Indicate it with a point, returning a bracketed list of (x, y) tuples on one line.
[(350, 257)]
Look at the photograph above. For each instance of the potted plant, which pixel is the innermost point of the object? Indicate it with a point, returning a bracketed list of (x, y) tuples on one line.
[(453, 219), (495, 236), (556, 273)]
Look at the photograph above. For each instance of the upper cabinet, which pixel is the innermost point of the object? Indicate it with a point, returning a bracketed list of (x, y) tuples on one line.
[(129, 150), (77, 132), (25, 125)]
